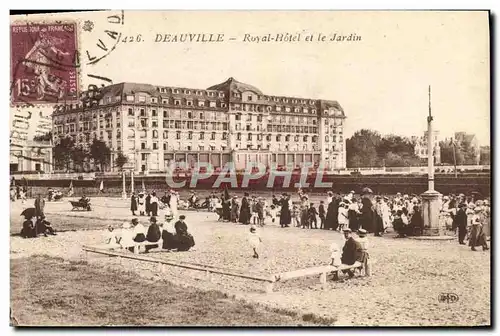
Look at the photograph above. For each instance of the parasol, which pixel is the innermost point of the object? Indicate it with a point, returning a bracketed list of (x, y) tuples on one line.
[(367, 191), (28, 212)]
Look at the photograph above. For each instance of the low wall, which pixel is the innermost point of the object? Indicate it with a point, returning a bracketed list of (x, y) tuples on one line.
[(379, 184)]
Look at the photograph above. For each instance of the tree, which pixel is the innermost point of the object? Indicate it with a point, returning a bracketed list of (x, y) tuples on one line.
[(100, 153), (361, 149), (121, 160), (62, 152), (78, 156), (484, 156), (367, 148)]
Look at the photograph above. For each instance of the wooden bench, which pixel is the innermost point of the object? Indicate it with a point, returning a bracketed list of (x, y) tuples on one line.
[(135, 246), (322, 271)]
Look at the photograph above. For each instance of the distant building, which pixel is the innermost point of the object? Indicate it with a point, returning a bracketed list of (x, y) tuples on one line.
[(228, 122), (462, 138), (421, 147), (30, 156)]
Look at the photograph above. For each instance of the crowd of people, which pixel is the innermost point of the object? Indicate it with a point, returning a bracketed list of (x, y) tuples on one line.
[(173, 238), (375, 214)]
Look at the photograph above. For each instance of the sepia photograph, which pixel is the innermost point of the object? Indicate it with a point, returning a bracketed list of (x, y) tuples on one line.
[(250, 168)]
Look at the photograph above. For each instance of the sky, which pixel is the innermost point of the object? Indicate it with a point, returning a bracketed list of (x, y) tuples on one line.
[(381, 81)]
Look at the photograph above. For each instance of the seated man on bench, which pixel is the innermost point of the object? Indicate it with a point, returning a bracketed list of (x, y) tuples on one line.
[(153, 235), (352, 252)]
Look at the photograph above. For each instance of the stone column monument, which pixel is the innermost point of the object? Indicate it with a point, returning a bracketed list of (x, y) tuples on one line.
[(431, 199)]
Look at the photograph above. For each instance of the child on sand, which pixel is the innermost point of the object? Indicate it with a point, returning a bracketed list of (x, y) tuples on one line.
[(335, 255), (272, 212), (255, 241)]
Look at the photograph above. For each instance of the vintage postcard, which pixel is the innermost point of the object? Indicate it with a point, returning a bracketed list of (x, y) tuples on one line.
[(250, 168)]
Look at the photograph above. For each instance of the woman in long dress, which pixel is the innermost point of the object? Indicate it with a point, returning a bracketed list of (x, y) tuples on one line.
[(141, 204), (174, 200), (133, 203), (477, 236), (245, 214), (285, 214)]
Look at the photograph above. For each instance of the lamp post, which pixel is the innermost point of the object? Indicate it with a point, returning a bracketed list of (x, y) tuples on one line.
[(124, 191), (131, 181), (430, 198)]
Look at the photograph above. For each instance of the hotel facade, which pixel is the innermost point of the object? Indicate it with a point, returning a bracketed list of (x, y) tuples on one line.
[(155, 126)]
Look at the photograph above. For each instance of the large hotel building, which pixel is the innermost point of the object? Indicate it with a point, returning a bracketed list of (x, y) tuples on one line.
[(228, 122)]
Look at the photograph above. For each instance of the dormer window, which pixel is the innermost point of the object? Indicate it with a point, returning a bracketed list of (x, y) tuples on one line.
[(130, 98), (221, 94), (211, 94), (249, 97), (142, 99), (189, 103), (154, 100), (213, 104), (177, 91), (201, 103), (177, 102), (187, 91)]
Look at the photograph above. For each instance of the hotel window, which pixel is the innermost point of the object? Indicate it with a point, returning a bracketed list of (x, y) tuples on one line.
[(224, 136), (248, 128), (305, 138), (154, 100), (154, 123), (130, 98), (155, 134), (153, 113), (278, 108), (165, 114), (142, 99), (296, 138), (327, 138), (143, 113), (202, 115), (189, 103), (287, 109), (164, 101), (143, 157), (165, 134), (143, 145), (177, 124), (201, 148), (178, 135), (278, 137), (177, 102), (237, 117), (221, 94), (190, 135), (238, 136), (155, 145), (313, 111), (304, 147), (287, 137), (249, 97), (224, 105), (259, 137), (202, 135), (190, 115), (213, 104), (212, 137), (143, 122), (314, 139), (201, 103), (118, 135), (164, 146), (249, 137)]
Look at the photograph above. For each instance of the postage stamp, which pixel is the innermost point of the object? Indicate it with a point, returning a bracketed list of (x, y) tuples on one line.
[(40, 55)]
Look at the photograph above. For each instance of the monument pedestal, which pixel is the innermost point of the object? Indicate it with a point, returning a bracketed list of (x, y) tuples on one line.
[(431, 202)]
